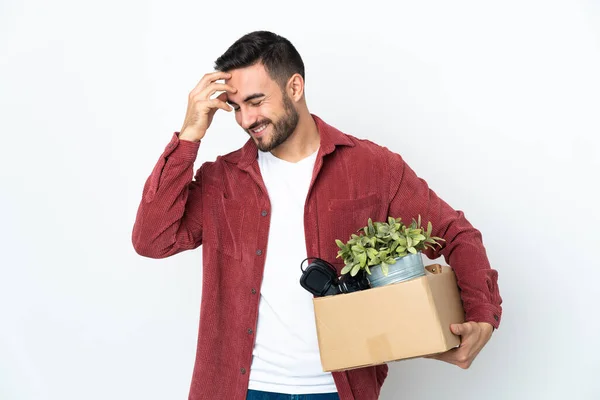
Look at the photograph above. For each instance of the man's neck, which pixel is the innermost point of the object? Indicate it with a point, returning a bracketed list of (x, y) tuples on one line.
[(303, 142)]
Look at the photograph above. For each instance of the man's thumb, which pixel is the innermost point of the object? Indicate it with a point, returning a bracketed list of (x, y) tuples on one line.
[(456, 329)]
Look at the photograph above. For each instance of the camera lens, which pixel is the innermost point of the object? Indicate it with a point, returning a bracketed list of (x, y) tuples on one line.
[(348, 283)]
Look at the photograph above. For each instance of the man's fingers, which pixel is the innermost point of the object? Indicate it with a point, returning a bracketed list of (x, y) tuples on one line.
[(459, 356), (222, 97), (448, 356), (468, 336), (455, 328), (208, 79), (215, 76), (434, 356), (216, 87), (458, 329), (216, 103), (462, 329), (472, 339), (462, 358)]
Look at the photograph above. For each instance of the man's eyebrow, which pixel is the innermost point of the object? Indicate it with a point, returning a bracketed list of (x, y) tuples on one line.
[(248, 98), (253, 96)]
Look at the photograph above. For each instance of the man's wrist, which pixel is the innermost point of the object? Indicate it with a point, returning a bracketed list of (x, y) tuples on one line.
[(185, 135)]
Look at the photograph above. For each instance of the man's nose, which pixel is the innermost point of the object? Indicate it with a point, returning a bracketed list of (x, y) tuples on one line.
[(249, 117)]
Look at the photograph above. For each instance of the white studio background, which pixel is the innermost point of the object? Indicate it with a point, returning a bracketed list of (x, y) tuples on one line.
[(495, 104)]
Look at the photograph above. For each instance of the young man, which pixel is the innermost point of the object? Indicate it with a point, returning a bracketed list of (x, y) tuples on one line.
[(288, 193)]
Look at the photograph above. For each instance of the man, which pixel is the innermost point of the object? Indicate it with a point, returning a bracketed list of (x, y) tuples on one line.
[(288, 193)]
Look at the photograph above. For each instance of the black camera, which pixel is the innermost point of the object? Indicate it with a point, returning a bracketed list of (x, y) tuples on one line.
[(321, 279)]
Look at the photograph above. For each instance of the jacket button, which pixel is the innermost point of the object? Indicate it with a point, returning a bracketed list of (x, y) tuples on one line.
[(496, 317), (253, 291), (243, 370), (249, 331), (258, 252), (264, 213)]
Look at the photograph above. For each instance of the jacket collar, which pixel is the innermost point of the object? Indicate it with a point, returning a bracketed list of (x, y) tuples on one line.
[(330, 138)]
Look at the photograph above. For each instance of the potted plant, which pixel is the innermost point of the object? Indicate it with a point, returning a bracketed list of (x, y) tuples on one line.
[(389, 252)]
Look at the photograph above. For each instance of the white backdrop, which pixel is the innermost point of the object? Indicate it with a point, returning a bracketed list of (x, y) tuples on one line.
[(495, 104)]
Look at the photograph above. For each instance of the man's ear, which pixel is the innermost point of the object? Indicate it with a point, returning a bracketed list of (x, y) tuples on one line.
[(295, 87)]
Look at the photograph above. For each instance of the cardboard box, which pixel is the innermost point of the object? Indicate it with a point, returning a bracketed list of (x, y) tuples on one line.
[(389, 323)]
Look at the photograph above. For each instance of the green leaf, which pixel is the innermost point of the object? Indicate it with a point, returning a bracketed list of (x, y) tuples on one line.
[(340, 244), (419, 237), (429, 228), (362, 258), (384, 268), (357, 249), (400, 249), (412, 250), (346, 269), (367, 269), (355, 270), (409, 241)]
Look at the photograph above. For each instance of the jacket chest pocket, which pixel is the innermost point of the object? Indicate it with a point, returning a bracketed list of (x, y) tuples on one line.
[(347, 216), (223, 222)]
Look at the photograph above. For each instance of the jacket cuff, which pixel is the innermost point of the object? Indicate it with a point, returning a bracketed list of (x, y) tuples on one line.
[(485, 313), (181, 149)]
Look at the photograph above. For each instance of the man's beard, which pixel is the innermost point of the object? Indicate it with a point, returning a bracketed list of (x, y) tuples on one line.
[(282, 129)]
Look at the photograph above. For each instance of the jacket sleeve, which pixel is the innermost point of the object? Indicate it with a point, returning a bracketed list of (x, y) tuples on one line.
[(169, 217), (463, 248)]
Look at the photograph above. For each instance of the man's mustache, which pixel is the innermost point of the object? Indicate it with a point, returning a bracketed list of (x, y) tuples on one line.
[(257, 124)]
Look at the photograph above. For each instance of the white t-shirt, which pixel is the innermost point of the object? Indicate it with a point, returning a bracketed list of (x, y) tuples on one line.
[(286, 351)]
